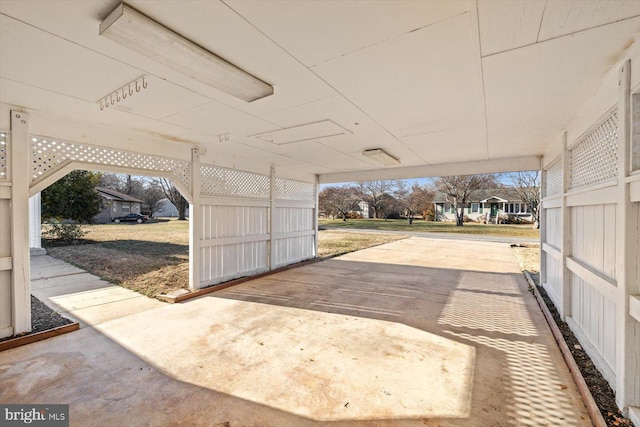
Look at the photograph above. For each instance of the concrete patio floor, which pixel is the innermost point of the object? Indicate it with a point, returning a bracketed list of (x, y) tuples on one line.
[(412, 333)]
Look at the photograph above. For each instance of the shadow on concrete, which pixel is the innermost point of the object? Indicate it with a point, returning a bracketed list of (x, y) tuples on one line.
[(332, 343)]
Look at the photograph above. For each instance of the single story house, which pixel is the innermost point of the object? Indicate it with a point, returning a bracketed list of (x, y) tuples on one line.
[(363, 208), (114, 204), (484, 205), (167, 209)]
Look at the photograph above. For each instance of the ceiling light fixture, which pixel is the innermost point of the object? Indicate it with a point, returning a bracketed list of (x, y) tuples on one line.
[(381, 156), (142, 34)]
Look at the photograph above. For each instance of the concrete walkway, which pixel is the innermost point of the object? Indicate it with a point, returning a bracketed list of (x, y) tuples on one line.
[(81, 296), (412, 333)]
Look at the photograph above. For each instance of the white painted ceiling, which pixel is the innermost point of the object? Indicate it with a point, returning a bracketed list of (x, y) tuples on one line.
[(430, 82)]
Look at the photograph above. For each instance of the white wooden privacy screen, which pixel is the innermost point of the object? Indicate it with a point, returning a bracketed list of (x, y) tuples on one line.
[(242, 223), (590, 248)]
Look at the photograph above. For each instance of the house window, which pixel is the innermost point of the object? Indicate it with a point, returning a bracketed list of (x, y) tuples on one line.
[(475, 207), (517, 208), (126, 207)]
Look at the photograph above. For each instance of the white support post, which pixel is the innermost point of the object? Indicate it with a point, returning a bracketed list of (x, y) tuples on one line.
[(565, 212), (272, 218), (626, 368), (316, 212), (542, 223), (35, 234), (195, 222), (20, 280)]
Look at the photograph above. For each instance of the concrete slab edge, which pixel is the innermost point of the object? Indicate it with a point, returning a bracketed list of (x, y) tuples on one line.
[(585, 393), (214, 288), (38, 336)]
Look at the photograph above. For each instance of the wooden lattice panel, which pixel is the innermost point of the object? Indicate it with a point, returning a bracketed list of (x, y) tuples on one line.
[(218, 181), (594, 158), (4, 154), (48, 154), (553, 179), (288, 189)]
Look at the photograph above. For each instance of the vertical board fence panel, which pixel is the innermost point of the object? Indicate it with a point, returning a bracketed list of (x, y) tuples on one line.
[(236, 212), (294, 225), (592, 257), (553, 238), (6, 309)]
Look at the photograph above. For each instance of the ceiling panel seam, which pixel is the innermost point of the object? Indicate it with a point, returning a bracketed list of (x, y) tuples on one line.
[(76, 44), (595, 27), (327, 83), (475, 22), (386, 40), (541, 20)]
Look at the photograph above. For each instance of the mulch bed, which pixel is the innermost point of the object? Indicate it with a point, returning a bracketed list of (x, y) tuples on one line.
[(599, 387), (43, 318)]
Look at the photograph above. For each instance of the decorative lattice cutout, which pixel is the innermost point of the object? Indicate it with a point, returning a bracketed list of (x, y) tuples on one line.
[(553, 179), (594, 158), (49, 153), (287, 189), (4, 154), (217, 181)]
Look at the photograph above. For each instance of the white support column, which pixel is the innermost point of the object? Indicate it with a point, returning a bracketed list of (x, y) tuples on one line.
[(272, 216), (626, 368), (35, 215), (316, 212), (195, 221), (542, 223), (565, 213), (20, 280)]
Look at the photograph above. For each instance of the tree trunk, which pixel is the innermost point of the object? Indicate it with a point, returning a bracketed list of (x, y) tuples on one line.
[(182, 212), (460, 218)]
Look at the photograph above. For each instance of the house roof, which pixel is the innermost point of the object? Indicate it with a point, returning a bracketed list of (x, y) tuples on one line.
[(110, 194), (500, 194)]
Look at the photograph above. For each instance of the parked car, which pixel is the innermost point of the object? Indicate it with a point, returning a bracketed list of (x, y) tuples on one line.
[(130, 218)]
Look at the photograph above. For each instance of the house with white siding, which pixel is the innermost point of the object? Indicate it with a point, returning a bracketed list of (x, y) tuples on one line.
[(484, 206)]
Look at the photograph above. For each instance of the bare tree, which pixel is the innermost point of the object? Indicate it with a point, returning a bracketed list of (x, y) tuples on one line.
[(152, 194), (338, 201), (415, 200), (458, 188), (527, 186), (174, 197), (112, 181), (374, 193)]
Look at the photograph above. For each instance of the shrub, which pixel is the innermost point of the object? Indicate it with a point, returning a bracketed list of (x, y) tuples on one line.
[(64, 232)]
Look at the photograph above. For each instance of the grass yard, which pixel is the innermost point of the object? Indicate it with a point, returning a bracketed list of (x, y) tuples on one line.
[(507, 230), (150, 258), (153, 258)]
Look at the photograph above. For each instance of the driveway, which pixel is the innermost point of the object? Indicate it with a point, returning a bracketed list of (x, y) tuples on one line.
[(411, 333)]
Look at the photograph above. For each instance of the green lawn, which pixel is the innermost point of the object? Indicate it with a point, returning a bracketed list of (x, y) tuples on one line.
[(526, 231)]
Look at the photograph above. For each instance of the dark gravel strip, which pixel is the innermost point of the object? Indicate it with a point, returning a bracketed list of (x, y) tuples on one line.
[(43, 318), (600, 390)]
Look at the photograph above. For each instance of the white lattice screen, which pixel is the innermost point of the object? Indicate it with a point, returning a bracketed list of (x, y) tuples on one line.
[(594, 158), (218, 181), (553, 179), (287, 189), (4, 154), (49, 153)]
